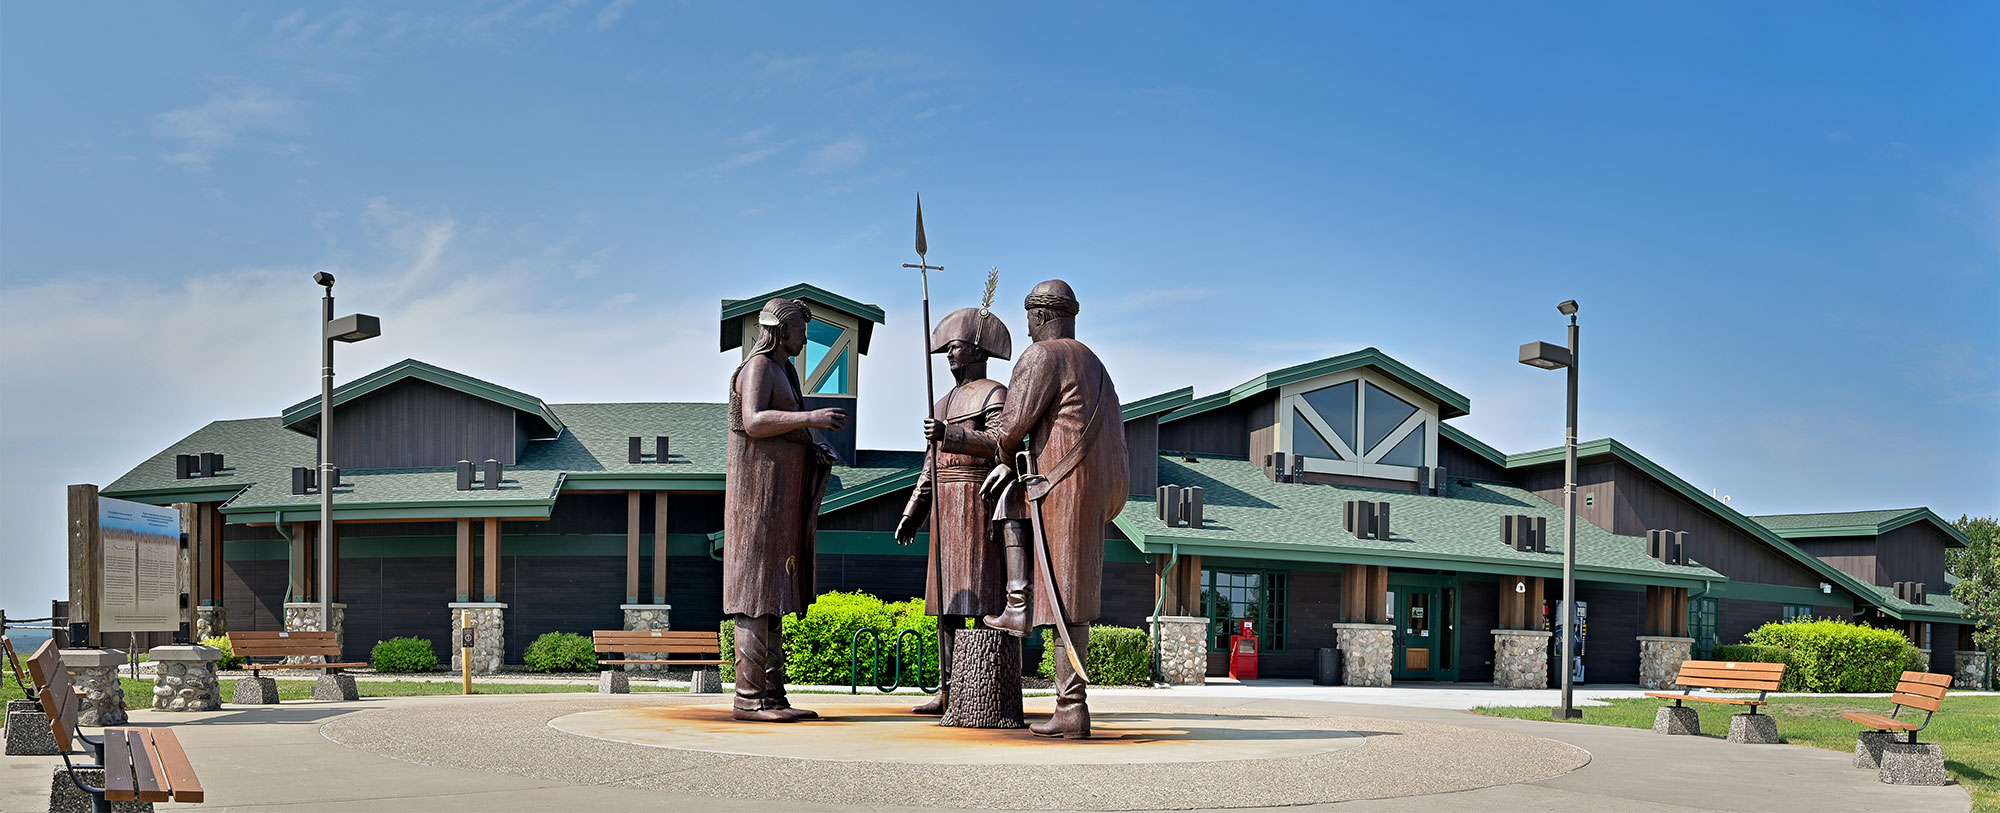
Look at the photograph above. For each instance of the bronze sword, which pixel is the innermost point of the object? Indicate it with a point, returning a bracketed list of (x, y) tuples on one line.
[(1025, 464)]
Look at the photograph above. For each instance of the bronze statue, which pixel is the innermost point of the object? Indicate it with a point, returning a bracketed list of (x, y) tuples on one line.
[(1062, 395), (777, 475), (972, 530)]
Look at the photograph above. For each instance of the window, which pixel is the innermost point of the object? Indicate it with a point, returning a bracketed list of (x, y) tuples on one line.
[(1363, 425), (1230, 597), (1798, 612), (1702, 615), (824, 366)]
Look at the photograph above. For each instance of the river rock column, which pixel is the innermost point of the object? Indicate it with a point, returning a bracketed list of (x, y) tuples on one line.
[(1660, 659), (1521, 659), (1183, 649), (210, 621), (303, 616), (648, 618), (1969, 669), (95, 671), (1368, 653), (489, 635), (184, 678)]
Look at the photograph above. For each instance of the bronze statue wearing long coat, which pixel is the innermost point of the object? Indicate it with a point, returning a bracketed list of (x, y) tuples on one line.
[(777, 474), (965, 544)]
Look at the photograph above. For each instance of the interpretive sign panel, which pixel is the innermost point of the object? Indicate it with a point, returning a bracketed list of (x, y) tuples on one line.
[(139, 574)]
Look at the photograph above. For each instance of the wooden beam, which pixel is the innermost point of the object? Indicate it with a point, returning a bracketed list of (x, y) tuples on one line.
[(462, 564), (211, 554), (632, 547), (1537, 596), (190, 577), (301, 558), (1378, 594), (492, 559), (659, 547), (83, 560), (333, 555)]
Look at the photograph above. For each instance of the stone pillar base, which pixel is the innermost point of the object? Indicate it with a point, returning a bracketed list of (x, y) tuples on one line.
[(1521, 659), (1969, 670), (646, 618), (1868, 747), (303, 616), (28, 733), (705, 681), (255, 690), (95, 671), (1676, 720), (1660, 659), (1757, 729), (489, 629), (1368, 653), (985, 690), (65, 797), (210, 621), (1183, 649), (184, 678), (611, 681), (336, 687), (1913, 763)]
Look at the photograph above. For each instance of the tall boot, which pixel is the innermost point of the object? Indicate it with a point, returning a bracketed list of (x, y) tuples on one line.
[(1017, 619), (774, 674), (1072, 718), (753, 679), (946, 624)]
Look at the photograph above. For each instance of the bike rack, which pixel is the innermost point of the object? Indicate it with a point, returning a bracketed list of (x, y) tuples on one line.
[(875, 662)]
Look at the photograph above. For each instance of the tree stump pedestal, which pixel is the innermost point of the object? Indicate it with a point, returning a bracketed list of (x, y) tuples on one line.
[(985, 690)]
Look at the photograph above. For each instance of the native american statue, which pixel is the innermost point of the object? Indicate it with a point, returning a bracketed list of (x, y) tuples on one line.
[(976, 537), (777, 475), (1075, 483)]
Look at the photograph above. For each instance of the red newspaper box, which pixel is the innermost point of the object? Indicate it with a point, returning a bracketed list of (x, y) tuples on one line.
[(1243, 653)]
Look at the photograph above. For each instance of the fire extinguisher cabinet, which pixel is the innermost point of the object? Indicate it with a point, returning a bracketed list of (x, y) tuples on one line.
[(1243, 653)]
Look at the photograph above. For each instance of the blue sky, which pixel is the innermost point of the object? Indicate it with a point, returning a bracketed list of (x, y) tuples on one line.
[(1782, 221)]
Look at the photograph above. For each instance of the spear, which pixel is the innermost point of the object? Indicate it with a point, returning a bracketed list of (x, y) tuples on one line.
[(924, 269)]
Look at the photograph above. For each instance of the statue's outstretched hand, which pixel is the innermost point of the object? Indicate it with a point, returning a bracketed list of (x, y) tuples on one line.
[(996, 482), (906, 529)]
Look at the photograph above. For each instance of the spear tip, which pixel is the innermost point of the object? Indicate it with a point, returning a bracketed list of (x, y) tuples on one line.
[(923, 246)]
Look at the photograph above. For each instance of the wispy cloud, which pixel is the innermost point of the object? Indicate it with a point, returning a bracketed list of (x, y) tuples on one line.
[(610, 15), (204, 130), (839, 155)]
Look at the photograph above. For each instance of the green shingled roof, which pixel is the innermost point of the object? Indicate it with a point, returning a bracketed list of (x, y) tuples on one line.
[(304, 415), (1249, 516), (1858, 523), (868, 315)]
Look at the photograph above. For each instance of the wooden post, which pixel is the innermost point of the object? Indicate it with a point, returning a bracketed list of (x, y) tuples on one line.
[(302, 578), (84, 558), (631, 547), (190, 577), (1680, 618), (492, 559), (333, 569), (1378, 594), (660, 546), (1537, 588), (465, 652), (211, 555), (462, 565)]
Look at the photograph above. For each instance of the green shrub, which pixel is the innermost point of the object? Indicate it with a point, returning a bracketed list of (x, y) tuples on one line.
[(1116, 656), (725, 641), (561, 652), (1758, 653), (1835, 656), (229, 659), (819, 643), (411, 654)]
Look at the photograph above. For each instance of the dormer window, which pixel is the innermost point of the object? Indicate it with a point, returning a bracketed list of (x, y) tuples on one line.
[(823, 366), (1358, 423)]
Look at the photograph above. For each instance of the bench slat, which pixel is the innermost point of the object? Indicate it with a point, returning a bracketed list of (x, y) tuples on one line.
[(1929, 690), (118, 786), (256, 667), (1734, 674), (1879, 722), (1703, 698), (1716, 683), (180, 774), (1931, 678), (668, 662), (145, 765), (1735, 666), (281, 648), (1915, 702), (279, 635)]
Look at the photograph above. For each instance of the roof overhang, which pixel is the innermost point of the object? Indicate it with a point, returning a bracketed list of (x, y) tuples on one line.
[(303, 417), (1451, 404), (867, 315)]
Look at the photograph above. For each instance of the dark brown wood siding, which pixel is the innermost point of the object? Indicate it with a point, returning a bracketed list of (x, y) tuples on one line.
[(1459, 461), (1736, 617), (1222, 431), (1478, 615), (1142, 450), (1854, 555), (1912, 553), (417, 424), (1611, 630)]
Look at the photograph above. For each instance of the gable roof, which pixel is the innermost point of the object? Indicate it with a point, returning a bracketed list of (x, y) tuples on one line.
[(1159, 404), (868, 315), (1451, 404), (1859, 523), (303, 417)]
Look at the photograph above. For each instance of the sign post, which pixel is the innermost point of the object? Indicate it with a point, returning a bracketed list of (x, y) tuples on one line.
[(465, 650)]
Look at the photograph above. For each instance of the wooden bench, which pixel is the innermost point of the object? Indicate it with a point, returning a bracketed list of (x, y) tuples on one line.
[(258, 689), (139, 764), (1909, 762), (1762, 678), (1917, 690), (701, 643)]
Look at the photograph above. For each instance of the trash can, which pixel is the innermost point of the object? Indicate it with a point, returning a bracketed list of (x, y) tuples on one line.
[(1327, 673)]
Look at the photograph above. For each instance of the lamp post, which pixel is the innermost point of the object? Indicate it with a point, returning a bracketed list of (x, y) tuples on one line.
[(351, 328), (1553, 357)]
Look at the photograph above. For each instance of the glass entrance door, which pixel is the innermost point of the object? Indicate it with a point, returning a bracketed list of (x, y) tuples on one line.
[(1425, 615)]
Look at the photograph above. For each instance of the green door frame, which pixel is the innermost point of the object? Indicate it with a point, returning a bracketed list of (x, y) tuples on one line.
[(1443, 641)]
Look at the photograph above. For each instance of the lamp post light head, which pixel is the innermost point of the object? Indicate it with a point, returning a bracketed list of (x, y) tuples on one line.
[(354, 327), (323, 278), (1544, 355), (1567, 307)]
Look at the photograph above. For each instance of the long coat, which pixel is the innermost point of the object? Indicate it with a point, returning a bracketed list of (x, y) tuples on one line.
[(1059, 388), (973, 565), (770, 504)]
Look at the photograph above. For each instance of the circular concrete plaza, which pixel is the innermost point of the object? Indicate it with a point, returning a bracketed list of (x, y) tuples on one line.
[(1146, 753)]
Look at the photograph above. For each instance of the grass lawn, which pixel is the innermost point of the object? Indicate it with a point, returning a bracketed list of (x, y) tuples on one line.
[(138, 691), (1967, 727)]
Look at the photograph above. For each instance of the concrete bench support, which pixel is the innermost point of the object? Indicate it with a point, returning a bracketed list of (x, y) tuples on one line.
[(1759, 729), (613, 682), (28, 732), (1868, 748), (1676, 720), (336, 687), (1913, 763), (705, 681), (255, 690)]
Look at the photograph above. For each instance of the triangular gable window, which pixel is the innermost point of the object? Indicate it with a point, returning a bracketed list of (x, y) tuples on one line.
[(1361, 424)]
